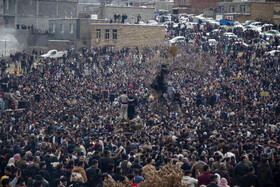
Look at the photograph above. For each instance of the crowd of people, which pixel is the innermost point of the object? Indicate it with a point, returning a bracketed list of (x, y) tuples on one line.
[(58, 117)]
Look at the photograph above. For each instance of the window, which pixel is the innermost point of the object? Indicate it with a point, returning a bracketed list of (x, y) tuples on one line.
[(7, 4), (61, 28), (98, 33), (52, 28), (221, 9), (242, 8), (115, 34), (107, 34), (71, 28), (231, 8), (182, 2), (176, 2)]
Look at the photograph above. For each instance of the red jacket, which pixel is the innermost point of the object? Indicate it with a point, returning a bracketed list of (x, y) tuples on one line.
[(204, 178)]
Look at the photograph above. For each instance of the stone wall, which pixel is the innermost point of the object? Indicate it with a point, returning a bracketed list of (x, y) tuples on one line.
[(262, 11), (276, 14), (203, 4), (128, 35)]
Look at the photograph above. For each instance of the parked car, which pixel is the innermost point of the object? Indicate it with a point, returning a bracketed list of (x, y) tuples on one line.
[(212, 42), (273, 33), (273, 52), (152, 22), (54, 54), (230, 36), (176, 40), (169, 23), (241, 44), (252, 27), (248, 22), (256, 24)]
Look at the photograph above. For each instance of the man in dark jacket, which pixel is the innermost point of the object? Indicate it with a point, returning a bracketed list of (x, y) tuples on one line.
[(93, 174), (118, 175), (241, 169), (106, 161), (214, 181), (276, 173), (250, 179)]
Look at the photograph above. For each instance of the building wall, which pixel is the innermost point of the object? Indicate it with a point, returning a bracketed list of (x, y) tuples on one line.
[(242, 18), (128, 35), (80, 34), (59, 45), (262, 11), (165, 5), (276, 13), (237, 8), (131, 12), (37, 12), (203, 4), (253, 10), (193, 6), (63, 24), (83, 34)]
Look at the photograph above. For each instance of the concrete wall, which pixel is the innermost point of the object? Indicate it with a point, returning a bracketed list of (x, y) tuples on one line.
[(38, 40), (131, 12), (84, 34), (166, 5), (79, 37), (128, 35), (88, 8), (64, 24), (37, 12), (59, 45)]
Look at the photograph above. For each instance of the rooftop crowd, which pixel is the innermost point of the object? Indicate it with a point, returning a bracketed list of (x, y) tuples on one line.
[(58, 116)]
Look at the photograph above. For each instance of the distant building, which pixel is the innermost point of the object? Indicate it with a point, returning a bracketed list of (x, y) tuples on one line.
[(126, 35), (7, 15), (193, 6), (86, 10), (242, 10), (36, 12), (75, 30)]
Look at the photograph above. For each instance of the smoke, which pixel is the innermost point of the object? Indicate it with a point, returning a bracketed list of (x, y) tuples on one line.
[(8, 41)]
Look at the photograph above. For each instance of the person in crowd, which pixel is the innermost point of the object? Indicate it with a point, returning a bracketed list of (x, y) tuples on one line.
[(205, 177), (188, 179)]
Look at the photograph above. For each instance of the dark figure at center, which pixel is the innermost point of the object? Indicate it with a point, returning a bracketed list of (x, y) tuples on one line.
[(131, 106)]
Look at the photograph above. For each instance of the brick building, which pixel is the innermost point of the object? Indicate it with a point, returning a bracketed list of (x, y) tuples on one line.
[(126, 35), (276, 12), (246, 10), (193, 6)]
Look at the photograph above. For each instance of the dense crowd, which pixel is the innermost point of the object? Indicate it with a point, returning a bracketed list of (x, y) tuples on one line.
[(58, 116)]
